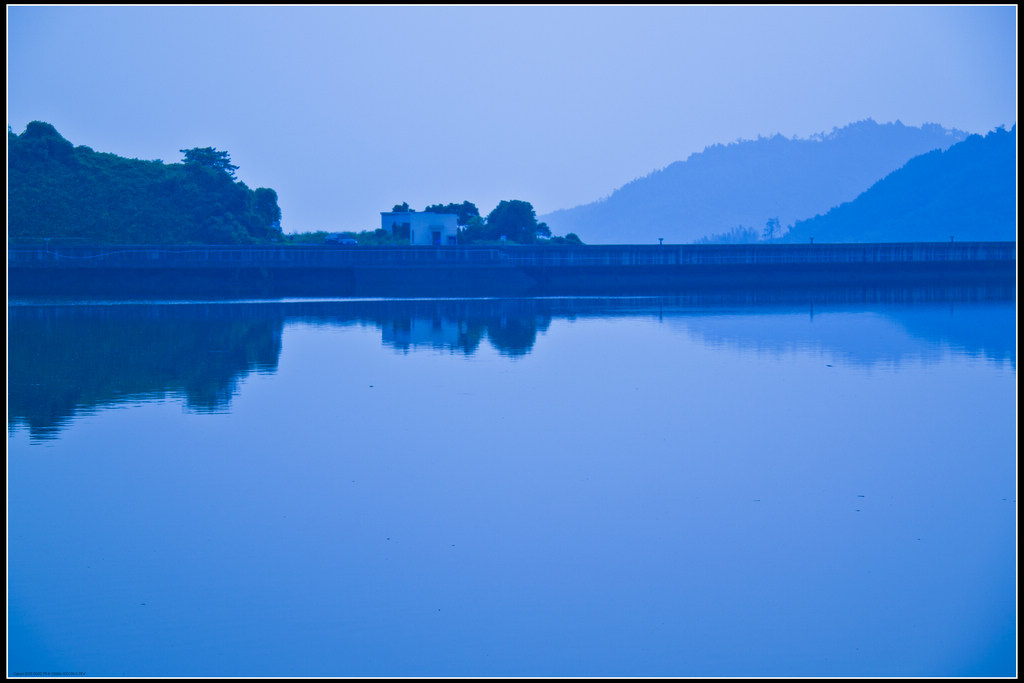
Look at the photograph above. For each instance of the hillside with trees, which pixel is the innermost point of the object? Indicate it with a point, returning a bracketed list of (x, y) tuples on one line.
[(63, 194), (967, 192), (512, 221), (749, 182)]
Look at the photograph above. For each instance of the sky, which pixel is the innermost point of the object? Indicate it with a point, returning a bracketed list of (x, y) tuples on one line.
[(346, 111)]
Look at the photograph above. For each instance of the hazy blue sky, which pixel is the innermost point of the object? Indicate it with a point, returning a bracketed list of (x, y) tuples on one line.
[(346, 111)]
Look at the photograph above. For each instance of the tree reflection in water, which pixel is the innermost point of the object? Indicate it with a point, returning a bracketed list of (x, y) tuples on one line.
[(66, 359)]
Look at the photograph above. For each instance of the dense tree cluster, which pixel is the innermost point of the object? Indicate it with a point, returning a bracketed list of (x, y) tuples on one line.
[(209, 158), (512, 221), (62, 194), (74, 195), (466, 211)]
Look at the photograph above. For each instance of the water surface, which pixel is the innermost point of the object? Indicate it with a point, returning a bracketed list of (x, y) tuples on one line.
[(531, 487)]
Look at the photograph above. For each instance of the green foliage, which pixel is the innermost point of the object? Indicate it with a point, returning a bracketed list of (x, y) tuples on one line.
[(314, 237), (266, 207), (210, 158), (379, 237), (42, 141), (74, 195), (571, 238), (516, 220), (475, 231), (466, 211)]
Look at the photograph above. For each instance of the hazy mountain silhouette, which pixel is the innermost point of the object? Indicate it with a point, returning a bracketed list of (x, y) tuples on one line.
[(748, 182), (967, 191)]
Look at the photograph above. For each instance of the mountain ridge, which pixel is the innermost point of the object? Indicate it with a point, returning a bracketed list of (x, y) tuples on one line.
[(966, 192), (748, 182)]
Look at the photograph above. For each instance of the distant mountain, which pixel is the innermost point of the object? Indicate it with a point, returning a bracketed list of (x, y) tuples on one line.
[(967, 192), (748, 182)]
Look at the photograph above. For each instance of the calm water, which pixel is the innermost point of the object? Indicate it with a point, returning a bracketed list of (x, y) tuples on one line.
[(554, 487)]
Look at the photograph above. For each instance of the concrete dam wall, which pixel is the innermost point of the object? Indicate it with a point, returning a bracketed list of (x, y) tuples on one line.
[(496, 271)]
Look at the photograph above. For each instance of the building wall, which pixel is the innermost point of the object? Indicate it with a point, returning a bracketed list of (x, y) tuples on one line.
[(423, 225)]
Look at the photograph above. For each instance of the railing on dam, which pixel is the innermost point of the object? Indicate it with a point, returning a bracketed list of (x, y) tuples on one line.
[(273, 257)]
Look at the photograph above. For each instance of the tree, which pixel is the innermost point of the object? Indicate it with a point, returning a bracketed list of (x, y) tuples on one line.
[(571, 238), (771, 228), (75, 195), (42, 140), (466, 211), (516, 220), (401, 208), (474, 231), (208, 157), (267, 208)]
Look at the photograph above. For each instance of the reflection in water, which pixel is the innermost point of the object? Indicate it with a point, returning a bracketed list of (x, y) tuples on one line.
[(511, 326), (66, 359), (725, 485), (63, 359), (866, 336)]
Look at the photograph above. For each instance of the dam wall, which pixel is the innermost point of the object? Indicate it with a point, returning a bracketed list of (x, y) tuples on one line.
[(494, 271)]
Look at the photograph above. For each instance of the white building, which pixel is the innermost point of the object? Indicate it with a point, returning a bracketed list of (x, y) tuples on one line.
[(422, 228)]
